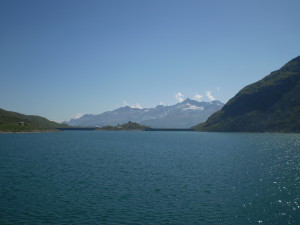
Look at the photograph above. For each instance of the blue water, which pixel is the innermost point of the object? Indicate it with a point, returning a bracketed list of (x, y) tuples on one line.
[(91, 177)]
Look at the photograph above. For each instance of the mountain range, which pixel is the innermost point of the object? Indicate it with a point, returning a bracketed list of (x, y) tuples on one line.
[(269, 105), (181, 115)]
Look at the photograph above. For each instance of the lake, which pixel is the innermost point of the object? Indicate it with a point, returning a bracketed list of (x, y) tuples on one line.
[(98, 177)]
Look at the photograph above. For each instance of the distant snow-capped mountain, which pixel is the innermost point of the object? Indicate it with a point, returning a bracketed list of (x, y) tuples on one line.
[(181, 115)]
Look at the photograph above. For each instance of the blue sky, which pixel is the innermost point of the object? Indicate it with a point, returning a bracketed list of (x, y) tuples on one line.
[(60, 58)]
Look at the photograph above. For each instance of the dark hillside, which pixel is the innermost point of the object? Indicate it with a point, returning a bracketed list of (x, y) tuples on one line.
[(269, 105), (17, 122)]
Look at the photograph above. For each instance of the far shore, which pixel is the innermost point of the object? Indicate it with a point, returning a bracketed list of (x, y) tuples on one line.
[(30, 132)]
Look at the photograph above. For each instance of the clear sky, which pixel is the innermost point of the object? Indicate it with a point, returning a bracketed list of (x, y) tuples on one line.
[(59, 58)]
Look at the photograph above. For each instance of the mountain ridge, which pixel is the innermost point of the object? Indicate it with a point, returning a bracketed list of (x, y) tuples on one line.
[(271, 104), (181, 115)]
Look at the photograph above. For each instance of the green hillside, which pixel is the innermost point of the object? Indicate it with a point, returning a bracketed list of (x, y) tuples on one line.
[(269, 105), (17, 122)]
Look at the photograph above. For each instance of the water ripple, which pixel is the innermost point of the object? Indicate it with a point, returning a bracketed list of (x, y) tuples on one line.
[(149, 178)]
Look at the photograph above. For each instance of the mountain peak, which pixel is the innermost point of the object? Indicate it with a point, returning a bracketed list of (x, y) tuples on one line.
[(125, 109), (188, 100)]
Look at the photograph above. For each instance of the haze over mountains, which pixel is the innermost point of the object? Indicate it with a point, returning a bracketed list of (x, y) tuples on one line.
[(269, 105), (181, 115)]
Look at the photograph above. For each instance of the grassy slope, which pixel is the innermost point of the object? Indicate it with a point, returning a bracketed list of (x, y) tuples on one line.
[(9, 122), (269, 105)]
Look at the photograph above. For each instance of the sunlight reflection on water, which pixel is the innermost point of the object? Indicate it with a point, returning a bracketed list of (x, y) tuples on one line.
[(150, 178)]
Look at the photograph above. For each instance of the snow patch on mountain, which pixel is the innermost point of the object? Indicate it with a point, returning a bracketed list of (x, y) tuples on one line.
[(192, 107)]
